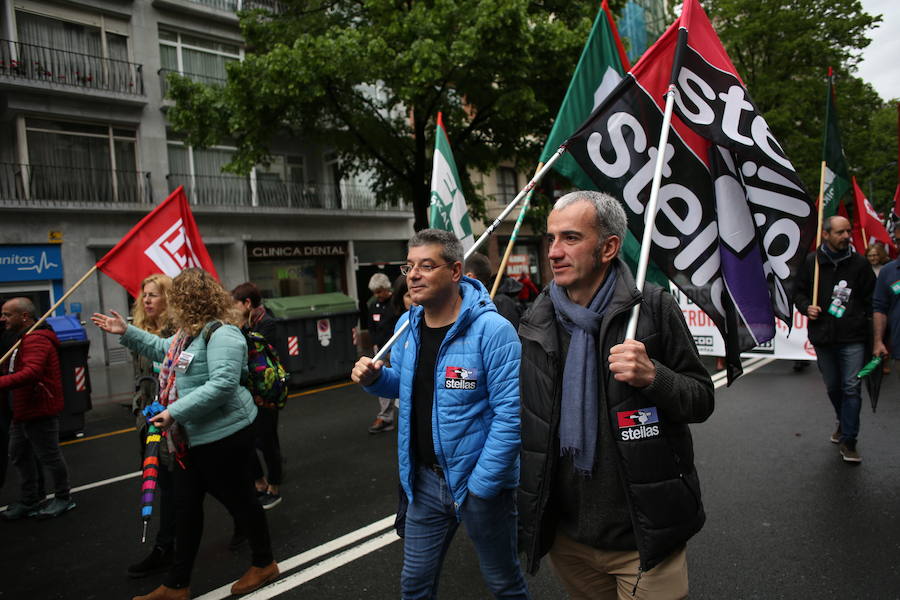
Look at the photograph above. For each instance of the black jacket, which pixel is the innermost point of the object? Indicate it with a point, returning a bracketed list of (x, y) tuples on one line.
[(854, 326), (661, 484), (506, 300), (381, 321)]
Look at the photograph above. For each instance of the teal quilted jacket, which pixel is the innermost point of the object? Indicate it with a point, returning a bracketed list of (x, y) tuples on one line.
[(212, 404)]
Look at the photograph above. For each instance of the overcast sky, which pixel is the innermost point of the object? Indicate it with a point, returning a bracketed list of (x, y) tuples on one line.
[(881, 59)]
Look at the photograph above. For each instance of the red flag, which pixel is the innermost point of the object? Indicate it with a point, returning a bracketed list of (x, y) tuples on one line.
[(897, 200), (872, 229), (165, 241), (856, 234)]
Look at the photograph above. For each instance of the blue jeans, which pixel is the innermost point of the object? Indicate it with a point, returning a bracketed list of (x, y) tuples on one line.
[(430, 525), (839, 364)]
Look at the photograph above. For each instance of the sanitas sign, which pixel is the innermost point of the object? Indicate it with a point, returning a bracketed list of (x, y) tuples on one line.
[(288, 250), (31, 263)]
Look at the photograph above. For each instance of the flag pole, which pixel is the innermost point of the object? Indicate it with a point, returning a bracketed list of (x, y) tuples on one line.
[(481, 239), (815, 291), (49, 312), (650, 211), (512, 239)]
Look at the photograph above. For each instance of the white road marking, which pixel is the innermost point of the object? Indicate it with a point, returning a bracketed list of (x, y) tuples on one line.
[(318, 552), (338, 560), (89, 486), (750, 365)]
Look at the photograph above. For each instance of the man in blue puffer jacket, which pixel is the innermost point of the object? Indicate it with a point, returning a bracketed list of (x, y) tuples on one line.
[(455, 371)]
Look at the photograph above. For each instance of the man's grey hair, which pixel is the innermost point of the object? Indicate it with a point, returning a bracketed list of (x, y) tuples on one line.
[(611, 219), (451, 249), (379, 281)]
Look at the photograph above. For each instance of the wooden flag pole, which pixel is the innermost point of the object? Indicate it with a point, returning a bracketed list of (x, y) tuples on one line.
[(49, 312), (487, 232), (815, 291), (650, 212), (512, 239)]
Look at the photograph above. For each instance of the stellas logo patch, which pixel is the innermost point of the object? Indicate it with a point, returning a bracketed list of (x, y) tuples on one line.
[(460, 378), (638, 424)]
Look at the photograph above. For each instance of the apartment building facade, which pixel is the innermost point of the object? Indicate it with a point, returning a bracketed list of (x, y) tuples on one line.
[(86, 151)]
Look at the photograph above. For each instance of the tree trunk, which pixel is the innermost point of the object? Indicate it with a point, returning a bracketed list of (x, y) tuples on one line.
[(420, 190)]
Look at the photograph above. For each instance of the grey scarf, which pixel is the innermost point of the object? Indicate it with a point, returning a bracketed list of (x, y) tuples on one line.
[(579, 409)]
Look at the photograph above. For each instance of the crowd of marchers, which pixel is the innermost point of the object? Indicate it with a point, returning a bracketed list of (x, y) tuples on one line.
[(545, 432)]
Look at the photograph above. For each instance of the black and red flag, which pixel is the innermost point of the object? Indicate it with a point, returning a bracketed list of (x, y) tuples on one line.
[(734, 222)]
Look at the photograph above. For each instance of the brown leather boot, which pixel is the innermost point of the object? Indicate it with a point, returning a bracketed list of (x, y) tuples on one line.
[(167, 593), (255, 578)]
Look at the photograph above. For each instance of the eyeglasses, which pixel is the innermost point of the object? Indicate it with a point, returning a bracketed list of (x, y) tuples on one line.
[(407, 269)]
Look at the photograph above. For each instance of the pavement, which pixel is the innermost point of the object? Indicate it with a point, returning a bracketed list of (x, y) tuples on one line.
[(786, 518)]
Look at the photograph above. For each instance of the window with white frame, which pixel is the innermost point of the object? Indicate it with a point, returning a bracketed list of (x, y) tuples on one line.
[(69, 36), (200, 172), (82, 161), (200, 59), (79, 145)]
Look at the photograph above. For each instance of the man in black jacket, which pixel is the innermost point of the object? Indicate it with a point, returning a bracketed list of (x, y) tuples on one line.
[(839, 324), (608, 485), (478, 266)]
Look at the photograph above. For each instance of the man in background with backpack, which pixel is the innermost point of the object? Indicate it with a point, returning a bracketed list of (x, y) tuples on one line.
[(259, 328), (35, 380), (608, 486)]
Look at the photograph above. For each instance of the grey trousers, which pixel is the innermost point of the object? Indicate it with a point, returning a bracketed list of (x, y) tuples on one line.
[(38, 439)]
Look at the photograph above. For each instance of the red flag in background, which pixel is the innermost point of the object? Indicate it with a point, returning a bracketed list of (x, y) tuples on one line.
[(165, 241), (867, 217), (856, 233)]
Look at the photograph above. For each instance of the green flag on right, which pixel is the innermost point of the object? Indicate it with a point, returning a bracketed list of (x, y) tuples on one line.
[(837, 176), (603, 64), (448, 206)]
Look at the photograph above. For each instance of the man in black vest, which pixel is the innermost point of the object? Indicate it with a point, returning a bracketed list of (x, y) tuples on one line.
[(608, 486)]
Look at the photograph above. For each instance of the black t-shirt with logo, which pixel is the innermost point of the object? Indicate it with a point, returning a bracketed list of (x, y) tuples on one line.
[(423, 393)]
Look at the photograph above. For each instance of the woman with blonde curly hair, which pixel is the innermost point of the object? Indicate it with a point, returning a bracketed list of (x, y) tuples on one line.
[(207, 423), (150, 314)]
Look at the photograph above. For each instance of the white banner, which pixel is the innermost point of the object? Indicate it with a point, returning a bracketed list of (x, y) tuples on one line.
[(795, 346)]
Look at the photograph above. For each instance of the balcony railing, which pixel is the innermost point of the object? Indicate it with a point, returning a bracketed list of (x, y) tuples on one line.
[(273, 6), (234, 190), (207, 79), (213, 190), (50, 185), (228, 5), (61, 67)]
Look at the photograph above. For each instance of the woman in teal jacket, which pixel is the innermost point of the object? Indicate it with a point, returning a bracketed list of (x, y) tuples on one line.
[(206, 422)]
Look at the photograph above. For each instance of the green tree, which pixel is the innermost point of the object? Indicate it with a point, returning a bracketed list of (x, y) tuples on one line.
[(367, 78), (876, 157), (782, 50)]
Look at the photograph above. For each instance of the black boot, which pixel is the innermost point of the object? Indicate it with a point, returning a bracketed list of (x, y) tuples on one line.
[(159, 560)]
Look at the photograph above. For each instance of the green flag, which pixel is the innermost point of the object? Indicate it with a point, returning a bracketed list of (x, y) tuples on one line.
[(837, 177), (448, 206), (601, 67)]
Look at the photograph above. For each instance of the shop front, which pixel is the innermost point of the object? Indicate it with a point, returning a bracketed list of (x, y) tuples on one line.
[(525, 260), (34, 272), (282, 269)]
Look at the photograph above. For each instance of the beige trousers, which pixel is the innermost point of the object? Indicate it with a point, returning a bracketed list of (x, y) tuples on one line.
[(591, 574)]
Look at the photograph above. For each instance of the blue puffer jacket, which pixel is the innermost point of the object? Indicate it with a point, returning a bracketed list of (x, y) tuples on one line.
[(476, 431)]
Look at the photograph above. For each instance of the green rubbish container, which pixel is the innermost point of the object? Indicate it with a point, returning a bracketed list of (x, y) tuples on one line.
[(315, 336)]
